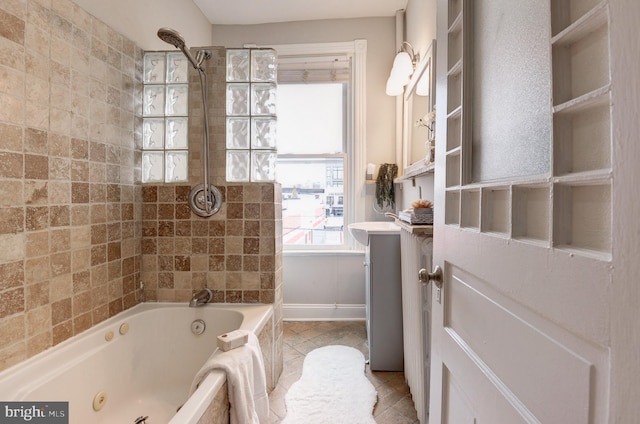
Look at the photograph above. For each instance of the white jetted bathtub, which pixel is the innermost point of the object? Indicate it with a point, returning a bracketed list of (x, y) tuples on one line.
[(139, 363)]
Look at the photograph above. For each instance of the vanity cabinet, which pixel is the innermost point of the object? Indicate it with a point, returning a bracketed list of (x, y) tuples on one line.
[(384, 302)]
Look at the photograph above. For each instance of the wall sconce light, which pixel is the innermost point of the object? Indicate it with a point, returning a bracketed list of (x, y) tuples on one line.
[(403, 66)]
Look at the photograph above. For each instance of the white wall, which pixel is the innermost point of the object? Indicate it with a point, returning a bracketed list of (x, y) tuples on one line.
[(379, 33), (327, 286), (409, 191), (139, 20), (420, 24), (331, 285), (420, 29)]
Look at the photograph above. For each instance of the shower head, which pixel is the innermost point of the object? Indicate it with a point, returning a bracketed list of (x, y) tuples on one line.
[(171, 36), (174, 38)]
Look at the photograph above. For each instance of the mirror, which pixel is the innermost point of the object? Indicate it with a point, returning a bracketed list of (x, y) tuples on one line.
[(418, 128)]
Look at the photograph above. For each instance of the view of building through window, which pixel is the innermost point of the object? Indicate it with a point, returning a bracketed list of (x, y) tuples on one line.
[(311, 162)]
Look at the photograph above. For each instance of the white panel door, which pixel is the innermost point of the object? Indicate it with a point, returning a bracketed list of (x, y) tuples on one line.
[(537, 317)]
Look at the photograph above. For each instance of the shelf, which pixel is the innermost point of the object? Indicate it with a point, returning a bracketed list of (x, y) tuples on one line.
[(455, 14), (455, 69), (452, 208), (589, 22), (582, 217), (531, 207), (452, 177), (455, 113), (495, 212), (581, 68), (470, 209), (582, 134), (456, 151), (454, 92), (454, 48), (456, 25), (598, 176), (421, 230), (415, 170), (532, 241), (594, 98), (594, 254)]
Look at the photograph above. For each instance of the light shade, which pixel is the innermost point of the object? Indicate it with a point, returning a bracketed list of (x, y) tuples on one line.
[(400, 74), (394, 88)]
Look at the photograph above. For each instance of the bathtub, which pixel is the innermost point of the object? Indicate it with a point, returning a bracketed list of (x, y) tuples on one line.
[(140, 362)]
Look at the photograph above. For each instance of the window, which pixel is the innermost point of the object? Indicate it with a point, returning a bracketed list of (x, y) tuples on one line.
[(165, 156), (311, 65), (312, 156), (320, 168)]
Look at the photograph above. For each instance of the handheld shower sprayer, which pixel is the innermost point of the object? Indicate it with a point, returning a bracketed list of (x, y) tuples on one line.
[(174, 38), (205, 199)]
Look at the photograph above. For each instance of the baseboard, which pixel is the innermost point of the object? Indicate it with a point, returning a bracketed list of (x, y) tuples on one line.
[(323, 312)]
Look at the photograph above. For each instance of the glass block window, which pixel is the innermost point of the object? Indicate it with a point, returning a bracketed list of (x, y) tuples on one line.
[(251, 115), (165, 155)]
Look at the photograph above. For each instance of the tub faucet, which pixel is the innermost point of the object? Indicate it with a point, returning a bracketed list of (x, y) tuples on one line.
[(200, 298)]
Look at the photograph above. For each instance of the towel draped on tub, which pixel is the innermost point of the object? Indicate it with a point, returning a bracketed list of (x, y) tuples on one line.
[(246, 379)]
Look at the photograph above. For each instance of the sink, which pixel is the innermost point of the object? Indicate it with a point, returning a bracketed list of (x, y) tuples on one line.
[(361, 230)]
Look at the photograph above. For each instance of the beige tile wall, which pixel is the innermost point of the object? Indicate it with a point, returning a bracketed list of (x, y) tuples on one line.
[(234, 252), (69, 204), (78, 232)]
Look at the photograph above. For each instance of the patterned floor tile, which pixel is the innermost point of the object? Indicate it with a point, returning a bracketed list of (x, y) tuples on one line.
[(394, 400)]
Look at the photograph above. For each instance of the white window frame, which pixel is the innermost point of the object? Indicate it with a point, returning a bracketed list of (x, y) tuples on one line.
[(356, 130)]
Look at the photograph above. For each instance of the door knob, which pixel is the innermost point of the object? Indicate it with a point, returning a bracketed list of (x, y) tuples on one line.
[(435, 276)]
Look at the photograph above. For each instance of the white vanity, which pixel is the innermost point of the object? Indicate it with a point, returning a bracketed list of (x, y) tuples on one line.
[(383, 293)]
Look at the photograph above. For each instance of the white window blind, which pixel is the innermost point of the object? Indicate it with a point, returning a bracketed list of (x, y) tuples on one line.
[(314, 69)]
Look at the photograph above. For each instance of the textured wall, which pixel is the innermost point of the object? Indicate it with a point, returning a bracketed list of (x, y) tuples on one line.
[(69, 202), (78, 232)]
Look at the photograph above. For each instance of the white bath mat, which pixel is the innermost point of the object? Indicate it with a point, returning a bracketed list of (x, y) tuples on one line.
[(333, 389)]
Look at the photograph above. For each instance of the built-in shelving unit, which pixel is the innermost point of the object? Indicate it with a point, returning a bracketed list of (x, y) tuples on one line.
[(581, 183), (569, 208), (458, 83)]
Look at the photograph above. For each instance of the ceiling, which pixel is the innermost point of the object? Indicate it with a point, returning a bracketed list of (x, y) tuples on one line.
[(248, 12)]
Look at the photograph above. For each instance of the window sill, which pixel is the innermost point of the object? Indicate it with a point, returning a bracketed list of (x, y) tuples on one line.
[(322, 252), (418, 169)]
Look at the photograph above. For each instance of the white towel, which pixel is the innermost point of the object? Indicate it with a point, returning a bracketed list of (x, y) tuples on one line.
[(246, 378)]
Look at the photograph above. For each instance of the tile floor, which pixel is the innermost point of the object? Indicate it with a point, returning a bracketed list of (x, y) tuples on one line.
[(394, 400)]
